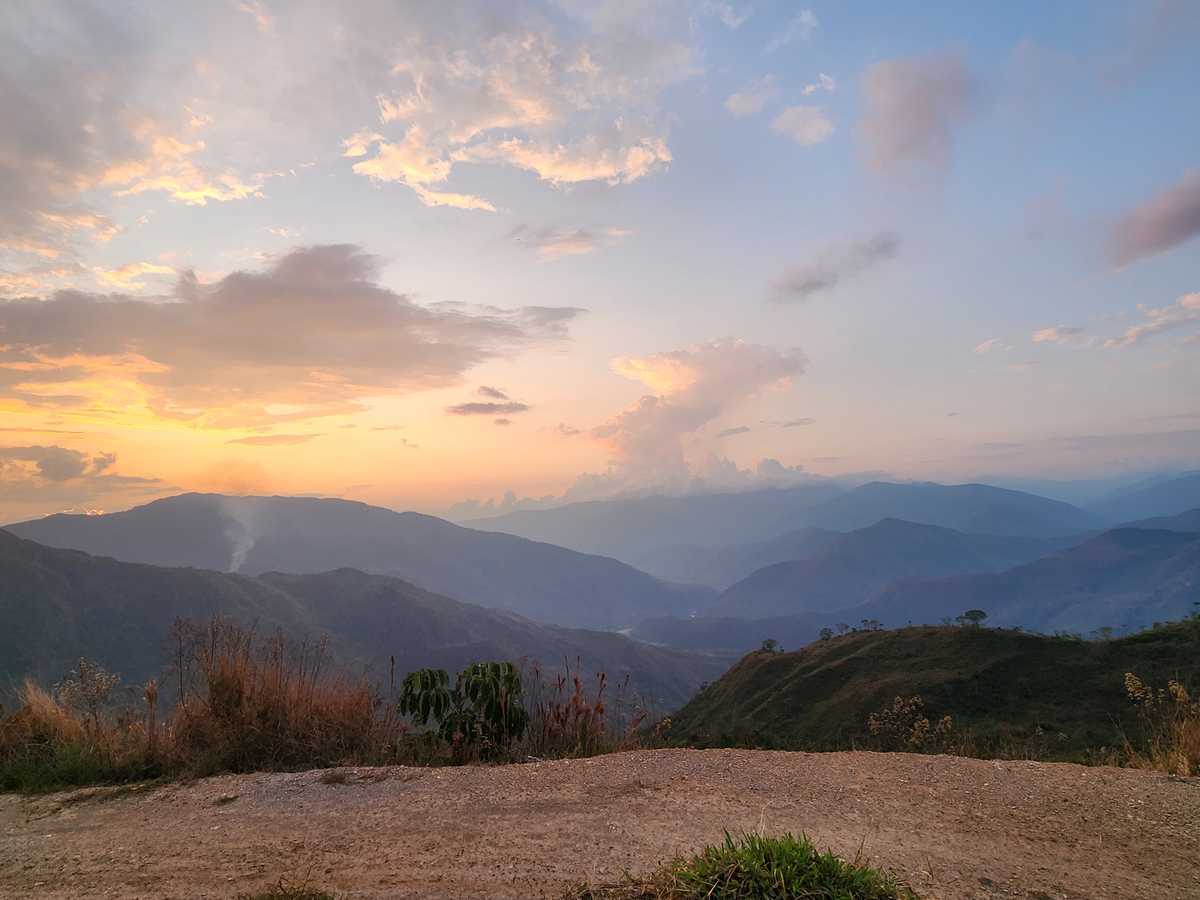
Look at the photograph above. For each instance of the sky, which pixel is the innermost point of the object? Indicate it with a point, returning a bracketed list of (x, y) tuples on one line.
[(469, 256)]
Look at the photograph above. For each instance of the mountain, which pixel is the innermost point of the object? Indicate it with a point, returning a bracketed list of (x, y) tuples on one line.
[(976, 508), (1157, 497), (720, 567), (1004, 690), (852, 568), (1186, 521), (57, 605), (252, 535), (1125, 578), (629, 529)]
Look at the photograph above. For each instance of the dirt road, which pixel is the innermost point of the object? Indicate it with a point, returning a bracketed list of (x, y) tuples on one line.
[(954, 828)]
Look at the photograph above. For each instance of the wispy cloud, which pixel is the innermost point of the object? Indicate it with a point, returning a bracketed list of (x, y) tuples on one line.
[(752, 99), (1057, 334), (806, 125), (274, 440), (1169, 218), (836, 265), (554, 243), (799, 28), (476, 408), (991, 345), (1182, 313), (732, 432)]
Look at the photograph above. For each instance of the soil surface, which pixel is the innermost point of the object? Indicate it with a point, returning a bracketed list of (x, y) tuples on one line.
[(953, 828)]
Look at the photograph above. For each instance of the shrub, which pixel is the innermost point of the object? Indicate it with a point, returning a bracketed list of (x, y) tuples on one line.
[(902, 725), (756, 867), (480, 716)]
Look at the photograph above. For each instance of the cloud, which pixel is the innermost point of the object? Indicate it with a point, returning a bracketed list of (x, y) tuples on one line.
[(800, 27), (568, 105), (274, 440), (824, 83), (752, 99), (796, 423), (732, 17), (553, 243), (806, 125), (129, 277), (1057, 334), (731, 432), (493, 393), (914, 106), (691, 388), (38, 479), (1182, 313), (502, 422), (991, 345), (313, 334), (567, 430), (1161, 223), (836, 265), (488, 409)]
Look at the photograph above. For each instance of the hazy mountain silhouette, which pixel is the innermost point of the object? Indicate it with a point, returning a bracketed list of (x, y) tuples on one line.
[(720, 567), (57, 605), (975, 508), (854, 567), (1153, 498), (1124, 578), (629, 529), (294, 534)]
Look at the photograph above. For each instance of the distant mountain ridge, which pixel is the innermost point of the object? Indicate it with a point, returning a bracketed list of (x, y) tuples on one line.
[(1158, 497), (852, 568), (57, 605), (1125, 579), (294, 534), (972, 508)]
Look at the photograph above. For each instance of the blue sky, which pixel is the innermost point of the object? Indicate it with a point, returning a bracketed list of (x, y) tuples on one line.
[(938, 241)]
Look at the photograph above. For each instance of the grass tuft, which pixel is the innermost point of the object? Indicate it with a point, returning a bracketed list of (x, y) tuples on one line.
[(757, 867)]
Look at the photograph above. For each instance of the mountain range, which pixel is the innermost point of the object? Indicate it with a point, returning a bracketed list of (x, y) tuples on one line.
[(252, 535), (58, 605)]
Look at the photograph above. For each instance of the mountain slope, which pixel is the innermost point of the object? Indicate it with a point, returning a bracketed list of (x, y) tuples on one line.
[(293, 534), (58, 605), (975, 508), (1158, 497), (629, 529), (720, 567), (1126, 578), (998, 685), (854, 567)]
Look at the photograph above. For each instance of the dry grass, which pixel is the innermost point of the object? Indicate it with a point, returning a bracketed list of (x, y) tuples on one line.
[(248, 703), (1170, 724)]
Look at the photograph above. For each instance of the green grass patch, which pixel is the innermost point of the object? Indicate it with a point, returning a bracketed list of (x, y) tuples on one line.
[(755, 867)]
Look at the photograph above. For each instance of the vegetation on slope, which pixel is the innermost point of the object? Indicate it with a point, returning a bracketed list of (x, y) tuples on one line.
[(757, 867), (59, 605), (1007, 692)]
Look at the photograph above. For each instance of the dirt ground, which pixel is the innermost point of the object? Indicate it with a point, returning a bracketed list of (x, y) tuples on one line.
[(953, 828)]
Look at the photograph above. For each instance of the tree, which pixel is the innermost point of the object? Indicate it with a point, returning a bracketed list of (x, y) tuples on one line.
[(972, 617), (770, 645), (826, 633), (842, 627), (483, 709)]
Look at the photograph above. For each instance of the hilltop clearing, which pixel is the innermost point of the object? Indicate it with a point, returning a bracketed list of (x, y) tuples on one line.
[(954, 828)]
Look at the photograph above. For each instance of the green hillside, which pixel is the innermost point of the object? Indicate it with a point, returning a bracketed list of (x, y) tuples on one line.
[(1009, 691)]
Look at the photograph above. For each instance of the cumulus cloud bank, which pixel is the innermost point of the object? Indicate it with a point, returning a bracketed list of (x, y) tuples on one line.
[(313, 334), (691, 388)]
